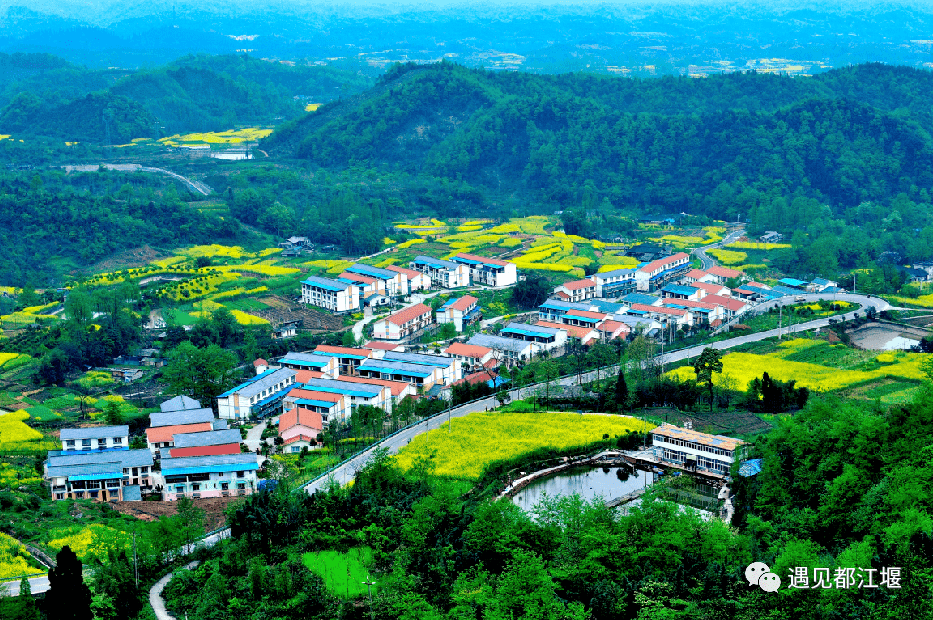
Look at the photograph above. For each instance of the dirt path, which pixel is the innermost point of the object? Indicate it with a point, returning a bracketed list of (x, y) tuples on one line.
[(155, 594)]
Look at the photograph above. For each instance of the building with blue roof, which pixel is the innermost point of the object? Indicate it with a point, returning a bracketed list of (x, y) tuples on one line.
[(334, 295), (96, 439), (615, 283), (222, 475), (257, 398), (443, 273), (419, 375), (324, 364), (794, 283), (393, 282), (103, 476), (541, 338), (641, 298), (486, 270), (680, 291), (553, 310), (355, 393)]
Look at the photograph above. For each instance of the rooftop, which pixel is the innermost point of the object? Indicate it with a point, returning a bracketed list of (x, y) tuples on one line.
[(342, 351), (308, 360), (576, 285), (463, 304), (411, 273), (435, 262), (586, 314), (696, 274), (207, 438), (575, 331), (473, 258), (369, 270), (499, 343), (615, 273), (422, 359), (724, 272), (686, 434), (205, 464), (467, 350), (174, 418), (162, 434), (95, 433), (398, 367), (300, 417), (641, 298), (326, 283), (532, 330), (659, 310), (260, 383), (342, 387), (178, 403), (396, 387), (663, 263), (408, 314), (375, 345)]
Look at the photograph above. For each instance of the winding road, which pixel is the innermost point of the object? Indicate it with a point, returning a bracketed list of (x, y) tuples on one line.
[(706, 261)]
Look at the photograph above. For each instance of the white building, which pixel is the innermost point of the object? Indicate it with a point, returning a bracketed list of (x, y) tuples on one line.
[(615, 283), (690, 449), (330, 294), (414, 280), (657, 273), (488, 271), (443, 273), (259, 397), (460, 311), (403, 324)]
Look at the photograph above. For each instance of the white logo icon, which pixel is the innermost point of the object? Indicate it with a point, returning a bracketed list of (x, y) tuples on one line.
[(769, 582), (754, 571)]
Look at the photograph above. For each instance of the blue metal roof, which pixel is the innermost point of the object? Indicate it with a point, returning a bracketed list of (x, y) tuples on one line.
[(792, 282), (340, 390), (435, 262), (398, 368), (679, 289), (382, 274), (319, 363), (750, 467), (584, 319), (417, 358), (525, 332), (94, 433), (615, 273), (325, 283), (640, 298), (340, 355)]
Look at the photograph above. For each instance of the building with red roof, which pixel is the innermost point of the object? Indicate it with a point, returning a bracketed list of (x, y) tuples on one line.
[(731, 306), (461, 311), (416, 281), (488, 271), (347, 359), (723, 273), (585, 335), (711, 289), (404, 324), (577, 290), (299, 428), (375, 345), (472, 356), (659, 272)]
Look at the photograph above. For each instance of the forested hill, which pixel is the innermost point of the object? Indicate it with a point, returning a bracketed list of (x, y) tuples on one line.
[(194, 93), (855, 134)]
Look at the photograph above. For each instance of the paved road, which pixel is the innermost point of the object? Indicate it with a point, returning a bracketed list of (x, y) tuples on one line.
[(706, 261), (155, 595), (37, 585)]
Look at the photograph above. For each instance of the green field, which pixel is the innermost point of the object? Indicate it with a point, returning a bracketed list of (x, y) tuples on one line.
[(343, 573)]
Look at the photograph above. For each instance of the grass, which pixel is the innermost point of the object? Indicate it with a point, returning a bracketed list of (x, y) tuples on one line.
[(16, 436), (42, 413), (15, 561), (343, 572), (480, 439)]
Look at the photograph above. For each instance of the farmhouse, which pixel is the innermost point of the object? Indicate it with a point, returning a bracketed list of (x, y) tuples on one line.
[(209, 476), (259, 397), (164, 426), (451, 368), (657, 273), (334, 295), (178, 403), (473, 357), (100, 439), (325, 365), (577, 290), (694, 450), (206, 444), (348, 359), (357, 393), (404, 324), (507, 350), (771, 236), (328, 405), (461, 312), (443, 273), (115, 475), (554, 309), (299, 428), (615, 283), (488, 271), (414, 280), (541, 338), (387, 281)]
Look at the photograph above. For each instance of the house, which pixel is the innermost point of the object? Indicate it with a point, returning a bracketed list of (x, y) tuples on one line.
[(615, 283), (338, 297), (794, 283), (179, 403), (387, 281), (771, 236), (404, 324), (356, 394), (328, 405), (257, 398), (223, 475), (507, 350), (113, 475), (298, 242), (399, 389), (582, 318), (99, 439), (818, 285), (541, 338), (164, 426), (681, 291), (730, 307), (657, 273), (415, 280), (462, 311), (126, 375), (641, 298), (488, 271), (451, 369), (671, 316), (418, 375), (577, 290), (554, 309), (443, 273), (206, 443), (286, 330), (471, 356), (697, 275), (647, 252), (690, 449), (323, 364), (723, 274), (639, 323), (586, 335), (703, 313), (711, 289), (611, 329), (347, 359), (299, 428)]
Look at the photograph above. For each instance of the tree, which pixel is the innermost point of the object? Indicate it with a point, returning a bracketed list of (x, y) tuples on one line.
[(621, 391), (190, 520), (530, 292), (709, 362), (68, 597), (202, 374), (112, 413)]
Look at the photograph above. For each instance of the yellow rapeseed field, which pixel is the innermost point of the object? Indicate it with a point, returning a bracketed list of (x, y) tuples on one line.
[(410, 242), (728, 257), (14, 558), (264, 269), (232, 136), (482, 438), (14, 432), (312, 107), (751, 245), (213, 250), (248, 319), (89, 542)]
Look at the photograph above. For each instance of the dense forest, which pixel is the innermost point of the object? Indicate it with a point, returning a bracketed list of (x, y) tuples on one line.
[(43, 95)]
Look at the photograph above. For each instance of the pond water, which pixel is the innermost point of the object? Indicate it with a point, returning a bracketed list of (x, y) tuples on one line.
[(608, 484), (232, 156), (587, 482)]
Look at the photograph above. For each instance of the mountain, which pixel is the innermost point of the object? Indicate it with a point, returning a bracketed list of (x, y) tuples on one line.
[(846, 136)]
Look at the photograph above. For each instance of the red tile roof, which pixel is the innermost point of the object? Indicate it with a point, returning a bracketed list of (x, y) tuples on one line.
[(260, 362), (586, 314), (411, 273), (576, 285), (482, 259), (660, 310), (614, 327), (476, 377), (300, 417), (655, 265), (159, 434), (307, 438), (329, 397), (325, 348), (376, 345), (726, 302), (562, 295), (724, 272), (408, 314), (467, 350), (355, 277), (463, 304), (573, 330), (712, 289), (303, 376), (695, 273)]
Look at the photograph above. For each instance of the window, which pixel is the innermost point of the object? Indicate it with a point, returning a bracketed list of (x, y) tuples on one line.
[(102, 441), (117, 440), (224, 486), (240, 474), (195, 487), (70, 442), (85, 443)]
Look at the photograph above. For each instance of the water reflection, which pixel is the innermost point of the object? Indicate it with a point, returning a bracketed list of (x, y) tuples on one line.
[(587, 482)]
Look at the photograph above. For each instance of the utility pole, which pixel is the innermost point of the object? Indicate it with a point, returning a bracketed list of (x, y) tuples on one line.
[(369, 586), (135, 563), (780, 319)]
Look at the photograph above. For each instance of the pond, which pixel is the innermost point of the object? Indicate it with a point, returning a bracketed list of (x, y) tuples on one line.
[(587, 482), (610, 483)]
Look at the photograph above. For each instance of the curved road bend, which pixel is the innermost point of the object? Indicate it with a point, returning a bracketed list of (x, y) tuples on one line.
[(346, 471), (155, 594), (705, 261)]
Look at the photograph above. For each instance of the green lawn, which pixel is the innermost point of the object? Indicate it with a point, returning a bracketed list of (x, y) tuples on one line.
[(343, 573)]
